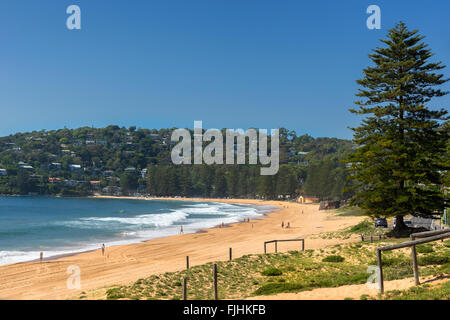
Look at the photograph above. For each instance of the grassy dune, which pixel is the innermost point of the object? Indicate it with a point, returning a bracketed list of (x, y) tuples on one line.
[(295, 271)]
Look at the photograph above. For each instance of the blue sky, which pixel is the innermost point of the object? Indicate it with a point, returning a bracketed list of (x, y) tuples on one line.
[(229, 63)]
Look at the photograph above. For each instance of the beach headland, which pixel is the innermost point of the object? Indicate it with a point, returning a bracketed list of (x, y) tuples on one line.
[(127, 263)]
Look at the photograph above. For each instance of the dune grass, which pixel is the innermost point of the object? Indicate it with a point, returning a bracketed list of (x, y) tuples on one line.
[(293, 271), (422, 292)]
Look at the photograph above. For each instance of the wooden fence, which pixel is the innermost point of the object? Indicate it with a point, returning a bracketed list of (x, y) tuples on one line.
[(286, 240), (184, 288), (371, 237), (427, 236)]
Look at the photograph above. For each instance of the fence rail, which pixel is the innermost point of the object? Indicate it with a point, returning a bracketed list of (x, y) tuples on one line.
[(371, 237), (285, 240), (428, 236)]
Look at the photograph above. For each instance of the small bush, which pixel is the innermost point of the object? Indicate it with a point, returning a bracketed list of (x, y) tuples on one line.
[(114, 293), (434, 259), (272, 272), (424, 249), (272, 288), (362, 227), (333, 258)]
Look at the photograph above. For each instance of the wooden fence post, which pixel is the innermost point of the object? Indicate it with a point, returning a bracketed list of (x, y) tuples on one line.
[(231, 254), (276, 246), (187, 262), (265, 251), (362, 238), (184, 289), (415, 266), (380, 272), (215, 281), (303, 245)]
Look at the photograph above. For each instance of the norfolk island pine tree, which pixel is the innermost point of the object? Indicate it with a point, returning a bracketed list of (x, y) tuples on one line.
[(399, 165)]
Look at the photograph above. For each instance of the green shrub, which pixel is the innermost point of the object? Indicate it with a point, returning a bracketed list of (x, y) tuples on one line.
[(333, 258), (273, 288), (114, 293), (177, 284), (363, 226), (424, 249), (272, 272), (434, 259), (395, 261)]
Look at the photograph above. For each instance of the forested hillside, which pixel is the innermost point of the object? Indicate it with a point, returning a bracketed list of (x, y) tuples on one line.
[(115, 160)]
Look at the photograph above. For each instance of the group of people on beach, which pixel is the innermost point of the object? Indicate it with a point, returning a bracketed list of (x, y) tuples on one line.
[(288, 225)]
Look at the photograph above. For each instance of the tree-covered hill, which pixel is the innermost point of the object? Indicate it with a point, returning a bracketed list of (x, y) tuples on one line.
[(116, 160)]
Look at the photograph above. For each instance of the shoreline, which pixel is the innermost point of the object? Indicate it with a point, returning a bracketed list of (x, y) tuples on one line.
[(136, 241), (123, 264)]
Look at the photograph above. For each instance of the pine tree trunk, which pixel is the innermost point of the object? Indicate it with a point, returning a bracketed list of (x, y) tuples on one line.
[(400, 223), (400, 229)]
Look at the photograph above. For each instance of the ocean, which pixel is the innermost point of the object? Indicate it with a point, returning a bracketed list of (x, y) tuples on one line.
[(57, 226)]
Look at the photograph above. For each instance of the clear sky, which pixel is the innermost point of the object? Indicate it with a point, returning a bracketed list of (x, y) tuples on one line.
[(166, 63)]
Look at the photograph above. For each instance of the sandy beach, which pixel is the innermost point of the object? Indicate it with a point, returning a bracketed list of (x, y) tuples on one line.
[(127, 263)]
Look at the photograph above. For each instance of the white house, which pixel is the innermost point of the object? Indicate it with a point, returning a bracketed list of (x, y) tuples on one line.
[(74, 167), (55, 166), (3, 172)]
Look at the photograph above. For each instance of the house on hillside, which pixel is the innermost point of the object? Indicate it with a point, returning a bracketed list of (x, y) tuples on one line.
[(3, 172), (101, 142), (25, 166), (95, 184), (108, 173), (55, 166), (70, 183), (55, 180), (112, 190), (75, 167)]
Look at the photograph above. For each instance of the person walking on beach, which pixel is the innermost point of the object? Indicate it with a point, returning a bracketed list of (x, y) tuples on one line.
[(288, 225), (282, 224), (103, 249), (181, 229)]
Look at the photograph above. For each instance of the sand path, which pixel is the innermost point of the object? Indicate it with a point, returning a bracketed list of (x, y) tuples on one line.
[(350, 291), (126, 263)]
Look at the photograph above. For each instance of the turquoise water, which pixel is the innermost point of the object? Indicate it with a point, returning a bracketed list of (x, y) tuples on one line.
[(55, 226)]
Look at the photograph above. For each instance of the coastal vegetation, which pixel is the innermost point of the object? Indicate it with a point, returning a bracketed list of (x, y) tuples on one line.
[(115, 160), (293, 271)]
